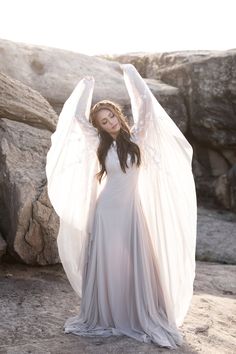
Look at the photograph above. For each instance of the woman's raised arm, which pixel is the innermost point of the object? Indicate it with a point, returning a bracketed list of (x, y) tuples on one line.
[(141, 98), (83, 106)]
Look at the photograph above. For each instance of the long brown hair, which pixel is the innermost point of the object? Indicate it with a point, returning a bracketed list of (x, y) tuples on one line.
[(123, 142)]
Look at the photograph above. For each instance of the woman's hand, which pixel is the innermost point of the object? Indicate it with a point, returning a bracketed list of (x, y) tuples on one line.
[(88, 81), (88, 78), (128, 66)]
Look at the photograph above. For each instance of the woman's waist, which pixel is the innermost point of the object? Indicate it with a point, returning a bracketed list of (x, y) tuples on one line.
[(117, 198), (112, 189)]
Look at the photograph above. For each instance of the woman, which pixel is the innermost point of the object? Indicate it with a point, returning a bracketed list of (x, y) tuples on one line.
[(127, 206)]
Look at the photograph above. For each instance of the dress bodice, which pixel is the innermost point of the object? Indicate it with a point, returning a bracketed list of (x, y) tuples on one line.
[(117, 182), (113, 164)]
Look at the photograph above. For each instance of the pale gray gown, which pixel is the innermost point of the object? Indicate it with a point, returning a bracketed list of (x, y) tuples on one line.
[(128, 252), (121, 290)]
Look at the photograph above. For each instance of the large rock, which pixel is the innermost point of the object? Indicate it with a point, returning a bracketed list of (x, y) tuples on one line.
[(28, 222), (55, 72), (20, 102), (208, 85)]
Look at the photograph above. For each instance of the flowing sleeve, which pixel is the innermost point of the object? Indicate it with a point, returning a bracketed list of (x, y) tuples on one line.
[(168, 195), (142, 100), (141, 97), (82, 110), (71, 166)]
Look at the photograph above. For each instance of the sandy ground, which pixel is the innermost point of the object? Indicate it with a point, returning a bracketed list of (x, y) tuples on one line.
[(35, 301)]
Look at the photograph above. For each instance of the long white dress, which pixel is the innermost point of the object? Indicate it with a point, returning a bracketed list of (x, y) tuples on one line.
[(127, 247), (121, 287)]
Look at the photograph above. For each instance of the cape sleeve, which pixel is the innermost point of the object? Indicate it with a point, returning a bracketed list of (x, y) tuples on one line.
[(140, 97), (82, 110), (168, 194), (71, 166)]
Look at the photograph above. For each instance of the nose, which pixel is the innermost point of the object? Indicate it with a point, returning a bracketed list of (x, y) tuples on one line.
[(111, 122)]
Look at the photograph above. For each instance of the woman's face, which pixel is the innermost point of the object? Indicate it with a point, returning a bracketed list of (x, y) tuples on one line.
[(108, 121)]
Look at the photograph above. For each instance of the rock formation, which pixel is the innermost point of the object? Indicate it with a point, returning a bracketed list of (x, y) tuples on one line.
[(28, 223), (197, 89)]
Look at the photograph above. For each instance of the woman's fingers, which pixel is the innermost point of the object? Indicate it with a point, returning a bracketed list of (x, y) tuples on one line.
[(88, 78)]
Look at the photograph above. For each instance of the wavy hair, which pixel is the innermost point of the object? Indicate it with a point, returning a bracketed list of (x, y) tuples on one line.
[(124, 145)]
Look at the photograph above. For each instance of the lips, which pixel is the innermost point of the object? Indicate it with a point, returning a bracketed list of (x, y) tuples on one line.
[(114, 126)]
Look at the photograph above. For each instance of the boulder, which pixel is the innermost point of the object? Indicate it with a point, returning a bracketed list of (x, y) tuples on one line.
[(21, 103), (28, 222), (208, 85)]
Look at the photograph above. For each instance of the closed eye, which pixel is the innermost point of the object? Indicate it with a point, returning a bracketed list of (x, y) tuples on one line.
[(111, 116)]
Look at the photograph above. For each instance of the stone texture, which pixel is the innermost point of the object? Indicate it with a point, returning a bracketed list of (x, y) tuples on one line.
[(222, 191), (27, 220), (21, 103), (36, 301), (225, 189), (3, 246), (149, 64)]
